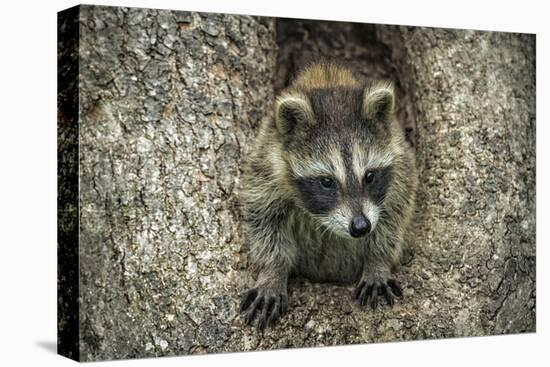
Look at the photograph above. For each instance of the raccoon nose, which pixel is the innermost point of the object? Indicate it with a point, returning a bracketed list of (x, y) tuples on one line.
[(359, 226)]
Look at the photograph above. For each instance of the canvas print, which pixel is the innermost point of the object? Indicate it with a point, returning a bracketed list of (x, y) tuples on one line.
[(233, 183)]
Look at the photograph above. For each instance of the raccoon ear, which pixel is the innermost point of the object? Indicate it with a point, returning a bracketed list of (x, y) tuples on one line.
[(291, 110), (378, 102)]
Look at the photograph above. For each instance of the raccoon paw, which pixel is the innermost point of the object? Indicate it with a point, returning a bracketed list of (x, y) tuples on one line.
[(367, 292), (265, 304)]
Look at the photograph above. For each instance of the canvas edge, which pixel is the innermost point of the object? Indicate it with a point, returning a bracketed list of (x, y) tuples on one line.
[(68, 208)]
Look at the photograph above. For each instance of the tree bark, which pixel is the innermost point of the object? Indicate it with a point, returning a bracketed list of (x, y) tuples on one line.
[(169, 104), (473, 96)]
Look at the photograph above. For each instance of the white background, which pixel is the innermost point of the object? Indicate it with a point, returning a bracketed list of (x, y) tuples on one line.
[(28, 182)]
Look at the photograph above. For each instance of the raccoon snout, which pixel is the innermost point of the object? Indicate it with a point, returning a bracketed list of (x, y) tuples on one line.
[(359, 226)]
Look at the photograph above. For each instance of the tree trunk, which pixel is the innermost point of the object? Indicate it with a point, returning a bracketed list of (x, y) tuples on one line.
[(473, 97), (169, 104)]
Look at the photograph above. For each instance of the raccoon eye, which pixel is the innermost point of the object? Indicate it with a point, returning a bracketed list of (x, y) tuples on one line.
[(327, 183), (370, 176)]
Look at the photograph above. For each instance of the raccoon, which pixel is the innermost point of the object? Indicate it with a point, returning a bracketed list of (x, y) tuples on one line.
[(328, 192)]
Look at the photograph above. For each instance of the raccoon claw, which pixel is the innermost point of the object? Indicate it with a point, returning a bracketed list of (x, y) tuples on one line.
[(395, 287), (265, 305), (368, 292)]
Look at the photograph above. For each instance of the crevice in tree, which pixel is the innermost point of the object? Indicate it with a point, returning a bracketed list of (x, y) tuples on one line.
[(354, 45)]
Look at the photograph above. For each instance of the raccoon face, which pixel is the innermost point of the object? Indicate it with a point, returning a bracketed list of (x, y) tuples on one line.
[(338, 150), (343, 192)]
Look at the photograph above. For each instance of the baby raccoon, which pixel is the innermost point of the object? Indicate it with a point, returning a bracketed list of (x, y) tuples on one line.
[(329, 191)]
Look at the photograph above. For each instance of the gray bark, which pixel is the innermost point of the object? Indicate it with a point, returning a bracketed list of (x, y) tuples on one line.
[(169, 106), (169, 102), (474, 107)]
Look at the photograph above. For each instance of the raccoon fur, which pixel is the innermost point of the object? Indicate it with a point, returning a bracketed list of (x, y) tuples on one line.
[(328, 192)]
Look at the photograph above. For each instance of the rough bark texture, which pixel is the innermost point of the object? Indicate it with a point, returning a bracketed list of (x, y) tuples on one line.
[(169, 106), (169, 103), (474, 106)]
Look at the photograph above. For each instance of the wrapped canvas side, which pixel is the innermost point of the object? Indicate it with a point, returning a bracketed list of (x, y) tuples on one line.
[(67, 183)]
